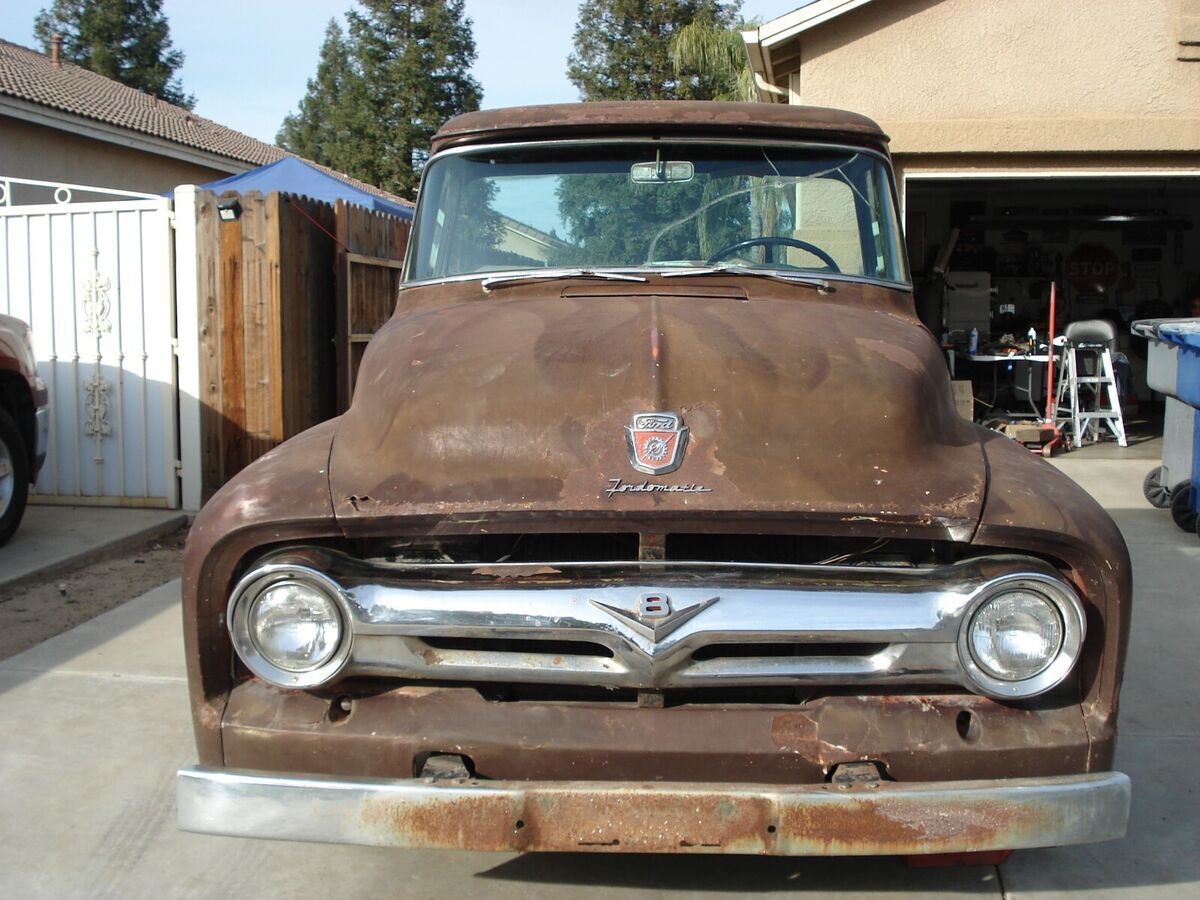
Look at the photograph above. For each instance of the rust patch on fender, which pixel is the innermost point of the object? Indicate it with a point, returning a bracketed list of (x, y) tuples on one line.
[(799, 733), (795, 732)]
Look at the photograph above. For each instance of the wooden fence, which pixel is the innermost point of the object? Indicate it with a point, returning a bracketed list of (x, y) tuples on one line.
[(369, 261), (277, 352)]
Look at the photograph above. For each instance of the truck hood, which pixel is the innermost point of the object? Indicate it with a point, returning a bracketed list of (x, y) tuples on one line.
[(833, 410)]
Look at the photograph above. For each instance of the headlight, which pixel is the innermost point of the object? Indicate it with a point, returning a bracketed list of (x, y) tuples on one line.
[(1016, 635), (295, 626), (288, 626), (1023, 637)]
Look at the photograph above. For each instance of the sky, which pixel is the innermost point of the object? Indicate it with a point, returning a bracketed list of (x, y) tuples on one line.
[(247, 61)]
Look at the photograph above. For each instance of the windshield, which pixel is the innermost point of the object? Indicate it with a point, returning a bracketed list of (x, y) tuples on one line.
[(657, 205)]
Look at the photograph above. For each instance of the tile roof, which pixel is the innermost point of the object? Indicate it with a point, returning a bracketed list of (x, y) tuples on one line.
[(31, 76)]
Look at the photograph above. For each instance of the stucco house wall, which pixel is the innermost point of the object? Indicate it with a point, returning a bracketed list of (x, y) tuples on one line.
[(41, 153), (996, 85), (1018, 104)]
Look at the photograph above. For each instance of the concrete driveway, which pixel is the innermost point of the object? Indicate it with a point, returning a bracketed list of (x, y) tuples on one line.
[(96, 722), (54, 538)]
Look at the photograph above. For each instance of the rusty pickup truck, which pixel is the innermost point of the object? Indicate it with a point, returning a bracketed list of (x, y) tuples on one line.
[(652, 527)]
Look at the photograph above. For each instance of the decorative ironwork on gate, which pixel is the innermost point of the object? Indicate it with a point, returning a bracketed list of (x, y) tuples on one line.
[(90, 269), (62, 194)]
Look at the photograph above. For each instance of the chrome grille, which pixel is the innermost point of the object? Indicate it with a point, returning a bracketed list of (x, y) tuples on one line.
[(651, 626)]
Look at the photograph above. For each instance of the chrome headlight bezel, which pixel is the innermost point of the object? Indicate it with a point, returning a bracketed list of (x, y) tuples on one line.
[(1063, 599), (241, 603)]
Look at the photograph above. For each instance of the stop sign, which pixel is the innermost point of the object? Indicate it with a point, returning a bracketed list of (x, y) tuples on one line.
[(1093, 268)]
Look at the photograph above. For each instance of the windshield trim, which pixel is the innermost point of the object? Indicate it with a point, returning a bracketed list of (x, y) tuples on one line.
[(675, 271), (472, 149), (483, 149)]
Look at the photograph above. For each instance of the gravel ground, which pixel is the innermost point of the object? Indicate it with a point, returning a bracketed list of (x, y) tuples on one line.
[(32, 612)]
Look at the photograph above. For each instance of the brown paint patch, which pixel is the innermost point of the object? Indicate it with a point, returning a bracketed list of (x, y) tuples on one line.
[(898, 355), (795, 733)]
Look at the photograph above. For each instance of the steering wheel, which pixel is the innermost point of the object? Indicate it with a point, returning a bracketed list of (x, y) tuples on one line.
[(775, 242)]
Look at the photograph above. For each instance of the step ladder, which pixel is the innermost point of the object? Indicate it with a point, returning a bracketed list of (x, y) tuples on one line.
[(1087, 363)]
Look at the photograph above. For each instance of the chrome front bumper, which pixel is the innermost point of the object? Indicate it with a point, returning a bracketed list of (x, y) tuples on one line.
[(518, 816)]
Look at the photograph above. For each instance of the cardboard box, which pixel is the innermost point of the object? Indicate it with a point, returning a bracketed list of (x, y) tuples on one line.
[(964, 399)]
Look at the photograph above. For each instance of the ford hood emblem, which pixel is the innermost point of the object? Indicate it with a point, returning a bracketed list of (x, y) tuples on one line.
[(656, 442)]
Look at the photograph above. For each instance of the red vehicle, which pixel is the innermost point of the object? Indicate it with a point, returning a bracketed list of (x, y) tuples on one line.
[(24, 420)]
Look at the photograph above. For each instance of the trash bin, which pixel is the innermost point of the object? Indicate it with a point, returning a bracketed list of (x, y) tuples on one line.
[(1185, 336), (1173, 369), (1166, 337)]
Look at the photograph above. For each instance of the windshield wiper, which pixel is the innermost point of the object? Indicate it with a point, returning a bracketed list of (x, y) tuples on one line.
[(494, 281), (820, 284)]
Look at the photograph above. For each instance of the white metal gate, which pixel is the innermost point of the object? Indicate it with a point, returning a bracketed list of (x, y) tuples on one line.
[(94, 280)]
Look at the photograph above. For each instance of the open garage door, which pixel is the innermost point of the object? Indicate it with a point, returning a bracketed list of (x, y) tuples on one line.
[(1118, 247)]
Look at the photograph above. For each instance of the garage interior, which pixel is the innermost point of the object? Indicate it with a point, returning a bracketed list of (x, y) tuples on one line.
[(984, 252)]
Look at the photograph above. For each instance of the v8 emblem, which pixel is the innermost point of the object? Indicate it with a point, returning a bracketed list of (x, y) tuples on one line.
[(655, 606), (655, 618)]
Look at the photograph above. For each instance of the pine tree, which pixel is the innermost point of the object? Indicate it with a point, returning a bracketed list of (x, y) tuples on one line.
[(623, 51), (382, 90), (623, 48), (126, 40), (317, 130), (416, 57)]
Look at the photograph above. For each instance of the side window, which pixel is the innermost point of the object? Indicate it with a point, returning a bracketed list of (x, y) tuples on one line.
[(437, 242), (887, 240)]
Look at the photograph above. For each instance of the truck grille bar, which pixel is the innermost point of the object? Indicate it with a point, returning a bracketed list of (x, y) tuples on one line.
[(658, 627)]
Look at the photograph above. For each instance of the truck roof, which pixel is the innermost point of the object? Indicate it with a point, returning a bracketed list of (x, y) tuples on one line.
[(666, 118)]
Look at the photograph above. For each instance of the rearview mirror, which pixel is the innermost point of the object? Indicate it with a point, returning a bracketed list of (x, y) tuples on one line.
[(661, 172)]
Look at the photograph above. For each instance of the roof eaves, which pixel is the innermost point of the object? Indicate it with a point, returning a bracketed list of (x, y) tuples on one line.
[(29, 76), (761, 41), (98, 129), (787, 26), (760, 69)]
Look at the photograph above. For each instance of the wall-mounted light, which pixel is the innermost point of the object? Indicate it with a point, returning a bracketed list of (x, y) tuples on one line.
[(229, 209)]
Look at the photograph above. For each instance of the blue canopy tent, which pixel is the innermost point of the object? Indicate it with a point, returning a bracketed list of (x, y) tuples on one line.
[(293, 176)]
